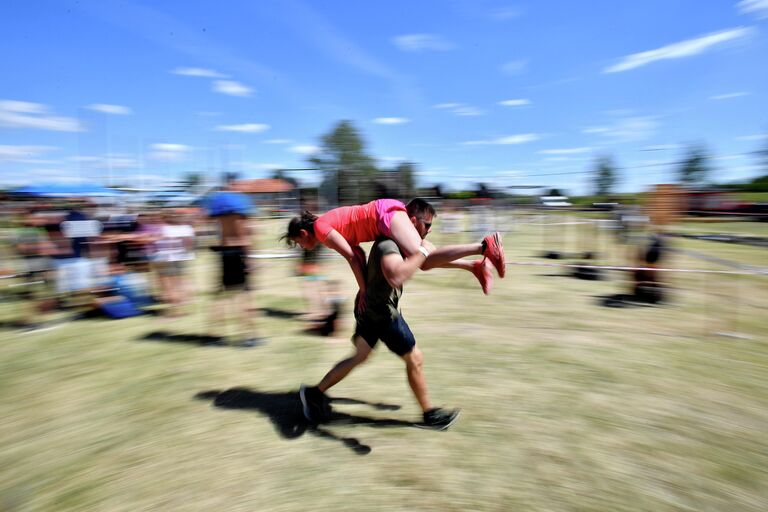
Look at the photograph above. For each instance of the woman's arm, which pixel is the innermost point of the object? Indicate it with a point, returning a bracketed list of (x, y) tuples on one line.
[(338, 243)]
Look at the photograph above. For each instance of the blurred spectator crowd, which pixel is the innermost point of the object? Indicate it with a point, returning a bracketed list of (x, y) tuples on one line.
[(67, 254)]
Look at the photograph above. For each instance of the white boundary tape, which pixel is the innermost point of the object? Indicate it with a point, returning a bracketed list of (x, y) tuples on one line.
[(273, 255), (755, 271), (745, 271)]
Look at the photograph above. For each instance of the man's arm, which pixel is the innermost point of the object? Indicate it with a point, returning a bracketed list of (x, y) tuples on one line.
[(397, 271)]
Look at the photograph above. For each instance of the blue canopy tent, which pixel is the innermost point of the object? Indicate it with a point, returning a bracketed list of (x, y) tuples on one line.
[(66, 190)]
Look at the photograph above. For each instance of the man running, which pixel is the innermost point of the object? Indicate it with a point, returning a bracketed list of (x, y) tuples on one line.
[(386, 271)]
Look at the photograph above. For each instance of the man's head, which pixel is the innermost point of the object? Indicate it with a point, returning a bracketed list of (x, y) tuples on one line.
[(421, 214)]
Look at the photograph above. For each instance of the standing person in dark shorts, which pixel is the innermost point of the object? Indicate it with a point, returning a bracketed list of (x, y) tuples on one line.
[(386, 272), (232, 210)]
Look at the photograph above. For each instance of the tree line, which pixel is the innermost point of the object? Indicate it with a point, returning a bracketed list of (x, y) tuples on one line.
[(694, 170), (350, 175)]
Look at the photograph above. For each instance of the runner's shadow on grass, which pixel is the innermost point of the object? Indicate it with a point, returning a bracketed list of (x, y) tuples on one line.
[(284, 411), (279, 313), (621, 300), (193, 339), (13, 324)]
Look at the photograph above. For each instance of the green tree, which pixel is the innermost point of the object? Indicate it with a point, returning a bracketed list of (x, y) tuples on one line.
[(349, 173), (280, 174), (694, 169), (406, 177), (605, 177), (192, 181)]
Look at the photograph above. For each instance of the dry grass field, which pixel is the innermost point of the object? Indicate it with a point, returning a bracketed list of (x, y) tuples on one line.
[(566, 404)]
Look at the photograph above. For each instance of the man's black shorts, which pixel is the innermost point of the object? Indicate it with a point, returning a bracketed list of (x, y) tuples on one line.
[(396, 335), (233, 268)]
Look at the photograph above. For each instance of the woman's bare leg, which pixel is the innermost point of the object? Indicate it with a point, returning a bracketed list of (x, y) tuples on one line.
[(408, 239)]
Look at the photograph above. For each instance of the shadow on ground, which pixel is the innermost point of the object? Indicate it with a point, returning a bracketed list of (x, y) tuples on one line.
[(14, 324), (284, 411), (279, 313), (623, 300), (193, 339)]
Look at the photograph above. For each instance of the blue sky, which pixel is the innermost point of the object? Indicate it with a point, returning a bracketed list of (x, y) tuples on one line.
[(513, 93)]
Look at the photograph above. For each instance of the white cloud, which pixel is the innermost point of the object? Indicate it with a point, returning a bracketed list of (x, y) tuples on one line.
[(21, 154), (304, 149), (243, 128), (23, 107), (514, 67), (422, 42), (565, 151), (113, 161), (758, 7), (757, 136), (517, 139), (167, 152), (460, 109), (678, 50), (509, 139), (170, 147), (628, 129), (520, 102), (391, 120), (110, 109), (232, 88), (202, 72), (729, 95), (23, 114), (393, 159), (277, 141), (447, 105), (469, 111)]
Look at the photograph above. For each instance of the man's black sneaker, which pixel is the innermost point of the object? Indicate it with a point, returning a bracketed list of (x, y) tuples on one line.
[(315, 405), (440, 419)]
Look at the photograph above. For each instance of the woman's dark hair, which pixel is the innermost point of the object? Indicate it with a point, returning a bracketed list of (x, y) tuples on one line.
[(296, 224)]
